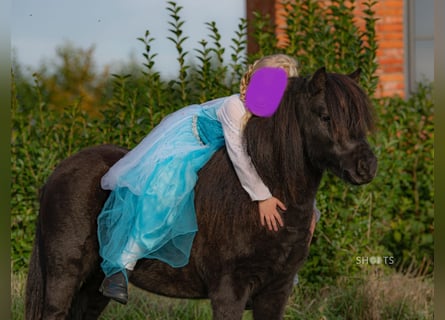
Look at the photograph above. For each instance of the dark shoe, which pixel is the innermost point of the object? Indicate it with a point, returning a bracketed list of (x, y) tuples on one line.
[(115, 287), (249, 304)]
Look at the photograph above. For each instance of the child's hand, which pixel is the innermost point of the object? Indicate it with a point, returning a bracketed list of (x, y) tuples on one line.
[(269, 214)]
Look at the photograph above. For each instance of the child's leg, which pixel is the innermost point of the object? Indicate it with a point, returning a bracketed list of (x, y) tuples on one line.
[(131, 254), (116, 285), (317, 212), (315, 219)]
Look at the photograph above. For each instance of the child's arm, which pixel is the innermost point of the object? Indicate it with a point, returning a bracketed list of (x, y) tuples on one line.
[(231, 115)]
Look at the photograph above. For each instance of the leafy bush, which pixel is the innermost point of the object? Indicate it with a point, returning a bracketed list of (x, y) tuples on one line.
[(405, 183), (391, 217), (320, 34)]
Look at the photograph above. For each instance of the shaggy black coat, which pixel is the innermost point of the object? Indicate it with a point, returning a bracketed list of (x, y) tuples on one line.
[(321, 124)]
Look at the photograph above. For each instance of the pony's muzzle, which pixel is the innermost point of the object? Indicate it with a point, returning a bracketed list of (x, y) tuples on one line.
[(363, 169), (366, 170)]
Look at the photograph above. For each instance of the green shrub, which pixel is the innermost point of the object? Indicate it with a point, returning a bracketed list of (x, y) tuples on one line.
[(405, 185), (318, 35)]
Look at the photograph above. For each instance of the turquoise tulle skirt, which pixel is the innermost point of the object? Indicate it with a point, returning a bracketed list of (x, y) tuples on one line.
[(150, 212)]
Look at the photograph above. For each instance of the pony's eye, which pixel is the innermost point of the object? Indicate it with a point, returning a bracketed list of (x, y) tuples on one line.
[(325, 118)]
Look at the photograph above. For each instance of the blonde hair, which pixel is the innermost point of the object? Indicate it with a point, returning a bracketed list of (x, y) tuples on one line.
[(276, 60)]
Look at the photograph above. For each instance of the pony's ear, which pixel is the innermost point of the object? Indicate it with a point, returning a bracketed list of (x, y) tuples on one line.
[(318, 81), (355, 75)]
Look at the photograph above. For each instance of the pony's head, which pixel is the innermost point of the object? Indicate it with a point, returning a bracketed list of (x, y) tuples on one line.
[(335, 118), (321, 124)]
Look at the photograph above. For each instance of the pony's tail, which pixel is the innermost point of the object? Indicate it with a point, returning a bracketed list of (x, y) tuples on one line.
[(35, 287)]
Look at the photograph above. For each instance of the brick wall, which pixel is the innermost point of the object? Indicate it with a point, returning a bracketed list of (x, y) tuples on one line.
[(391, 52), (390, 36)]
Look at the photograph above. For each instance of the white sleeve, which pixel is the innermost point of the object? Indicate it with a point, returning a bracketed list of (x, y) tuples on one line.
[(231, 116)]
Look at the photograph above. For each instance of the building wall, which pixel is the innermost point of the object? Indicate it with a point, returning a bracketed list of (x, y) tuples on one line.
[(391, 53), (390, 35)]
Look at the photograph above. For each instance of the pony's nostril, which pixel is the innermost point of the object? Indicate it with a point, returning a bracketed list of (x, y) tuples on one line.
[(362, 167), (366, 167)]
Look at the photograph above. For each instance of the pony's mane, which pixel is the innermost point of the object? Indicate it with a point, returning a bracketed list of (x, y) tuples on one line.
[(275, 144), (349, 107), (279, 163)]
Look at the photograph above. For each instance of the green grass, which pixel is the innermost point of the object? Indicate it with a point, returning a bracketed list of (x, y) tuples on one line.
[(375, 295), (143, 305)]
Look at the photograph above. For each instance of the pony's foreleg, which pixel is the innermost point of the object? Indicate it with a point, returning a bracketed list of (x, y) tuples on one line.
[(226, 303), (270, 303)]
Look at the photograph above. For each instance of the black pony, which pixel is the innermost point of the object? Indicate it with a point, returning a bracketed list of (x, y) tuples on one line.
[(322, 123)]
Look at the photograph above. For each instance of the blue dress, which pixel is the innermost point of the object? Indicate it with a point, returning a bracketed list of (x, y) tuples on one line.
[(152, 200)]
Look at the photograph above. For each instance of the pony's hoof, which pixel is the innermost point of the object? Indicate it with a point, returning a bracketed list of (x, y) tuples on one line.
[(115, 287)]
